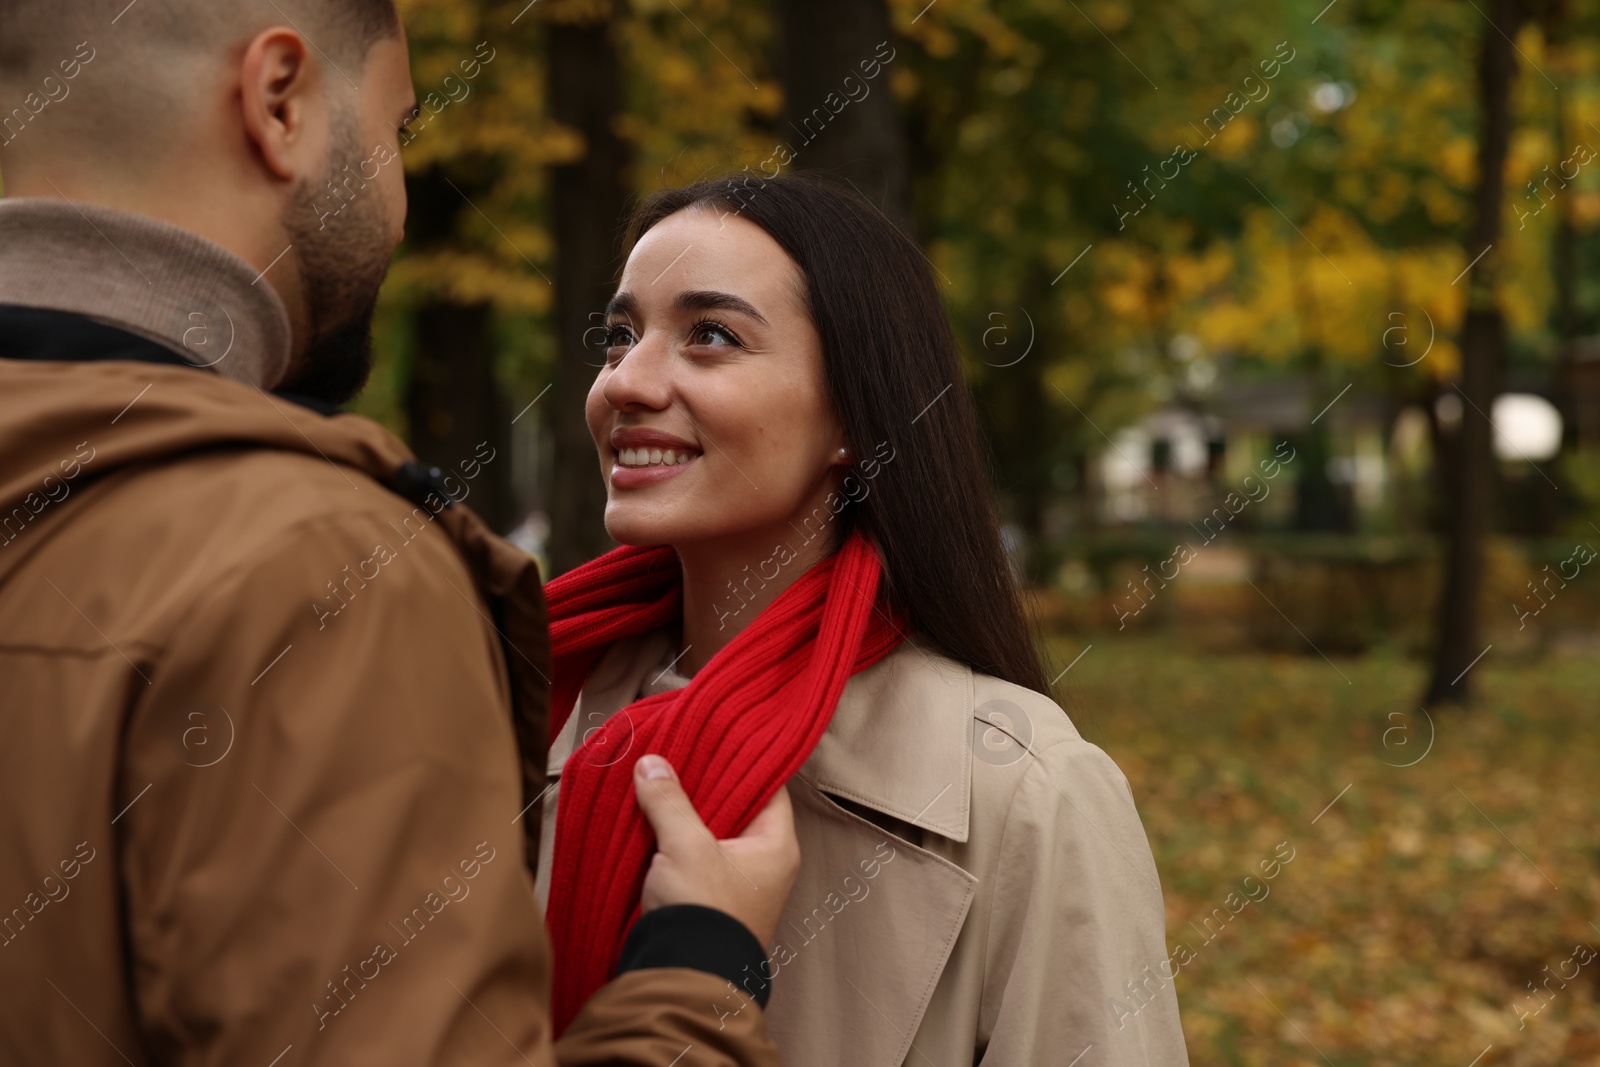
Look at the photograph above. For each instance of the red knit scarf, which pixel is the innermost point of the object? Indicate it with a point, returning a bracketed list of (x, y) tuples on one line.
[(740, 729)]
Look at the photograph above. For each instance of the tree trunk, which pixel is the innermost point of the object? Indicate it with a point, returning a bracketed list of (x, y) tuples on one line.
[(452, 398), (856, 136), (1017, 419), (1318, 506), (1565, 265), (1014, 405), (1471, 480), (589, 197), (454, 406)]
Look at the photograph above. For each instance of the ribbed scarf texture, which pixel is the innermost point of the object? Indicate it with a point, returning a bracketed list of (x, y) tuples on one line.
[(742, 727)]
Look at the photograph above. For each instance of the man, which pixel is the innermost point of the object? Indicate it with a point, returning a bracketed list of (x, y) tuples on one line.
[(273, 726)]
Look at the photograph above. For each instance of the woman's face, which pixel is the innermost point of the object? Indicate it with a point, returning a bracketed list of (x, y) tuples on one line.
[(711, 414)]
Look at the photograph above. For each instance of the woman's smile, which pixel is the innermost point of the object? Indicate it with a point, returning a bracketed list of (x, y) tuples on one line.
[(641, 457)]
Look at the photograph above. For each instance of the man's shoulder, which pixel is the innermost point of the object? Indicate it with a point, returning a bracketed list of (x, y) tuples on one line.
[(297, 516), (161, 540), (243, 502)]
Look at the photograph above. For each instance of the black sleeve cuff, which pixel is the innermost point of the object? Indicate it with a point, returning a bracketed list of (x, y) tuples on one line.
[(701, 939)]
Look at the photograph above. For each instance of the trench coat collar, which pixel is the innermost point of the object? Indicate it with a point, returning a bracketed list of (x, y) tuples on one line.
[(899, 742)]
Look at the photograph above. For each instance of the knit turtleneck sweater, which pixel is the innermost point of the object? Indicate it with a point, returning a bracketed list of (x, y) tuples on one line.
[(148, 277)]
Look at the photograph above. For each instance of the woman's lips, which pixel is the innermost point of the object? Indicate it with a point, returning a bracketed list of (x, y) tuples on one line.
[(643, 477)]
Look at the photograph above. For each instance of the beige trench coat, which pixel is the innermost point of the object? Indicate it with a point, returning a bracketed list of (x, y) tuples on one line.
[(975, 885)]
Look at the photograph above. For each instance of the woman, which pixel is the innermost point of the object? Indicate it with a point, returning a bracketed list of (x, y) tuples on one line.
[(780, 414)]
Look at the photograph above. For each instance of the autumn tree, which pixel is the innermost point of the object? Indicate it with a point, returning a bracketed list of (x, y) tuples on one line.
[(1470, 471), (453, 400), (841, 121), (470, 266), (588, 199)]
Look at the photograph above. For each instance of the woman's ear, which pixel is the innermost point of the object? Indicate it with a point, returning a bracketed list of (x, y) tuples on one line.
[(283, 105), (842, 455)]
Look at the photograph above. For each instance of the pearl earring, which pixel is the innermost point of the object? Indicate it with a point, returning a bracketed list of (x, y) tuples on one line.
[(844, 452)]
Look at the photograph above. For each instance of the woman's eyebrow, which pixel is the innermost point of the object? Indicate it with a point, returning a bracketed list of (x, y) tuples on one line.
[(625, 303), (711, 300), (622, 304)]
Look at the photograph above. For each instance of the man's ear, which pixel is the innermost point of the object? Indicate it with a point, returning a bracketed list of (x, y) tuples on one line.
[(283, 104)]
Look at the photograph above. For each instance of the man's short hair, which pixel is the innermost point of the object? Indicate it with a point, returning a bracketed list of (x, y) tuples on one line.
[(151, 58)]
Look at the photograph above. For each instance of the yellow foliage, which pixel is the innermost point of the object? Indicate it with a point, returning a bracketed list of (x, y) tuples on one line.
[(1374, 195), (1236, 137)]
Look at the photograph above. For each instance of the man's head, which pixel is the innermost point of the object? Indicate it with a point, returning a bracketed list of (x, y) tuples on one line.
[(269, 126)]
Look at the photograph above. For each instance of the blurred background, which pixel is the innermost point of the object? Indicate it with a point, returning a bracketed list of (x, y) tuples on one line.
[(1284, 321)]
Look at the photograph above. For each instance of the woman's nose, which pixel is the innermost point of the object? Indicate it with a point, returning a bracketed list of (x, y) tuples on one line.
[(640, 378)]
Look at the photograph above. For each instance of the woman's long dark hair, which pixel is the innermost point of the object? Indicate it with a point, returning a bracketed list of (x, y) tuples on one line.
[(894, 375)]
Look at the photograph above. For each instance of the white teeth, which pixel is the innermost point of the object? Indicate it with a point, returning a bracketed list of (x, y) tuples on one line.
[(653, 457)]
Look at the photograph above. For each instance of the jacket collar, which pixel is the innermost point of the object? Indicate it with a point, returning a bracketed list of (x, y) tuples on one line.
[(899, 742), (148, 277)]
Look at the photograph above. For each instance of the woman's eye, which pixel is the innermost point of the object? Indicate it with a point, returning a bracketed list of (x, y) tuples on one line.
[(710, 333), (615, 342)]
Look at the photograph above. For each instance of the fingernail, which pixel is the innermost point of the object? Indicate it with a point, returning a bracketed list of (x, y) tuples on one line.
[(654, 767)]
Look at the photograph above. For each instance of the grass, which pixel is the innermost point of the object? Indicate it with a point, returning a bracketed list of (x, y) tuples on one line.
[(1419, 905)]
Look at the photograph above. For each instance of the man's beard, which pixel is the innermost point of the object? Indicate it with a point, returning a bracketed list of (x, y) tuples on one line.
[(337, 363), (343, 261)]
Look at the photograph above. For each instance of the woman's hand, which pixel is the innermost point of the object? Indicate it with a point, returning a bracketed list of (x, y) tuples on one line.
[(748, 876)]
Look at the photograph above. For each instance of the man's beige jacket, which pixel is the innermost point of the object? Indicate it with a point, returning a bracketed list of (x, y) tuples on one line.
[(271, 735)]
